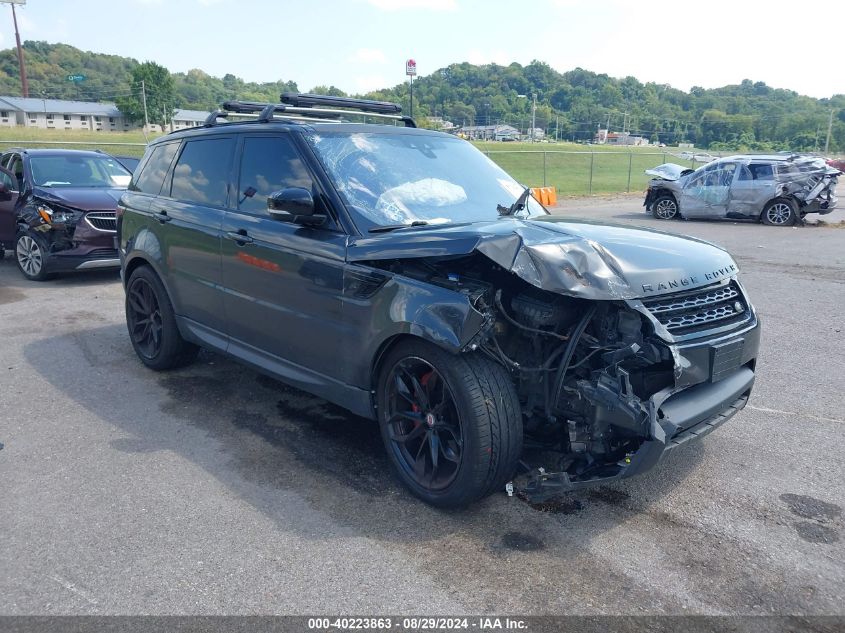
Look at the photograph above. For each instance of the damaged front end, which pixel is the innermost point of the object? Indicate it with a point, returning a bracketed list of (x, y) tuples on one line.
[(615, 363), (74, 239)]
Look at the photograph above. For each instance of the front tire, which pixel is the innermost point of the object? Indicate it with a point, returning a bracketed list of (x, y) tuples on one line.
[(451, 424), (152, 323), (31, 255), (780, 212), (665, 207)]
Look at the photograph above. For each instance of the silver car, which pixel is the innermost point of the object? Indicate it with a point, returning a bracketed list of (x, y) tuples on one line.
[(776, 189)]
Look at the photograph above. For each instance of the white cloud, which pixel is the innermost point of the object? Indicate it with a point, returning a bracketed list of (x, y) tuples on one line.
[(479, 57), (369, 56), (428, 5), (208, 3), (366, 83)]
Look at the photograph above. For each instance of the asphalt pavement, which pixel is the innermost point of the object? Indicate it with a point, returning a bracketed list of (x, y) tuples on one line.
[(215, 490)]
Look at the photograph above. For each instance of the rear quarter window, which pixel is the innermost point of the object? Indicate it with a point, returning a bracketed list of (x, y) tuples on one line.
[(152, 174)]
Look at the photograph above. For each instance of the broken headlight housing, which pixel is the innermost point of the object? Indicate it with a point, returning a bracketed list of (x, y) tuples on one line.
[(56, 215)]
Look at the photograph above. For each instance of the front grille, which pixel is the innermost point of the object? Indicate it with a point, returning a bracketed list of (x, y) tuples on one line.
[(701, 309), (102, 220)]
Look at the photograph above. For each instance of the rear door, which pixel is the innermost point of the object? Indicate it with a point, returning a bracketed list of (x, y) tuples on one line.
[(754, 187), (8, 208), (190, 213), (283, 281)]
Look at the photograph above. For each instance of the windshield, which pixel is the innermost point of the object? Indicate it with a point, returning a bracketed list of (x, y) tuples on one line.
[(78, 171), (402, 178)]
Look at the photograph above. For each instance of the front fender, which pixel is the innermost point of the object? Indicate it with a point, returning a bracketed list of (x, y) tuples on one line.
[(404, 306)]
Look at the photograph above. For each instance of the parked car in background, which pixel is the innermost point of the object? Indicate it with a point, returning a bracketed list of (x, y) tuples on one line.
[(57, 209), (837, 163), (403, 275), (778, 190)]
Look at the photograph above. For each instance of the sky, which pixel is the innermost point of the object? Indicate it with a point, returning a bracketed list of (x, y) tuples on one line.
[(361, 45)]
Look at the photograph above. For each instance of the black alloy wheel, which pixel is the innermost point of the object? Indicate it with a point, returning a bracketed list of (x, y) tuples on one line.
[(143, 316), (152, 325), (423, 424), (451, 423)]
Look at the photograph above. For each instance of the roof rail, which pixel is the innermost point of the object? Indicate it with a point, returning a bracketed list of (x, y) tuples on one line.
[(303, 107)]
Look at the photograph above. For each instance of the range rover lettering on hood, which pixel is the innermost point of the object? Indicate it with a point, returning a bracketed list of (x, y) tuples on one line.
[(567, 256), (692, 281)]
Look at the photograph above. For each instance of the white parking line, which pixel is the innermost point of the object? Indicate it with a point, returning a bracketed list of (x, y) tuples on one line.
[(806, 415)]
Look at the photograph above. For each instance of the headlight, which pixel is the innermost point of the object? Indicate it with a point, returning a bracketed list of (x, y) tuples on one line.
[(53, 216), (45, 212)]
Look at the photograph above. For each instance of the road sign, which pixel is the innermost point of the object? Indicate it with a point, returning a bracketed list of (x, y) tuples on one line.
[(411, 68), (76, 77)]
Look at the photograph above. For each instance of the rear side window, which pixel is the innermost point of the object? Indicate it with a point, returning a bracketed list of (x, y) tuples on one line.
[(761, 172), (152, 174), (268, 164), (202, 171)]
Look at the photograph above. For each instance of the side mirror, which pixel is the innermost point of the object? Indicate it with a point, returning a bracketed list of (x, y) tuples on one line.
[(294, 204)]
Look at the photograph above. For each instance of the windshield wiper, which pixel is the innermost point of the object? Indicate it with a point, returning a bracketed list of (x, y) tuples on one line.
[(394, 227), (519, 205)]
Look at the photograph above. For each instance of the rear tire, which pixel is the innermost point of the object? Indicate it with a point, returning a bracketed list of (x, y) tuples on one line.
[(780, 212), (151, 322), (664, 208), (451, 424)]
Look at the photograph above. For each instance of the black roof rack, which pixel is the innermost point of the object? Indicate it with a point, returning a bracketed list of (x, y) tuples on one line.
[(309, 107), (364, 105)]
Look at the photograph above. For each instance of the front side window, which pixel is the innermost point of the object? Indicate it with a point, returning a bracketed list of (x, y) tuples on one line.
[(78, 171), (399, 178), (202, 172), (268, 164), (155, 169)]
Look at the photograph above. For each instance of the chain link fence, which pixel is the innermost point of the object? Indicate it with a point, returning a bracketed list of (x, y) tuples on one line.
[(574, 173)]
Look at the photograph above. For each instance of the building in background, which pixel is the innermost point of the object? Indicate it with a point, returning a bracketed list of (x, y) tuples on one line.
[(490, 133), (61, 114)]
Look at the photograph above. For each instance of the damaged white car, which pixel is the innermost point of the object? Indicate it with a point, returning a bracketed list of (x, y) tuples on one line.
[(776, 189)]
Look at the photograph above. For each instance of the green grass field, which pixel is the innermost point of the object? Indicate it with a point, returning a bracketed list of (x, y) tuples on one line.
[(568, 167), (130, 143), (565, 166)]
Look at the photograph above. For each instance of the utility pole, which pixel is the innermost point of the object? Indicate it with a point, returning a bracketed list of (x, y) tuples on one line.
[(21, 64), (533, 116), (144, 99), (829, 130)]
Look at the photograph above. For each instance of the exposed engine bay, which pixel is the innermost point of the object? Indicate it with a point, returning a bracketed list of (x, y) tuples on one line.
[(587, 372)]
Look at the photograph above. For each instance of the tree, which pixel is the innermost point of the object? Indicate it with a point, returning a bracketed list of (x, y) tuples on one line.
[(160, 95)]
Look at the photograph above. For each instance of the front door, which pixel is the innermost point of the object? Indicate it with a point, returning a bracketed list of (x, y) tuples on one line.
[(8, 207), (707, 194), (283, 282)]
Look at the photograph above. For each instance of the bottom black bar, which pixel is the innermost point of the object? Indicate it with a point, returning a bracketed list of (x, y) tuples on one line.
[(481, 623)]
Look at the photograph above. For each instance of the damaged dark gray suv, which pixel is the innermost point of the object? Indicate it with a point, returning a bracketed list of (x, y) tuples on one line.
[(404, 276)]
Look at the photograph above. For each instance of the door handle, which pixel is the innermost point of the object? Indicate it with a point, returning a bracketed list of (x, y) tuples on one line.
[(162, 217), (240, 236)]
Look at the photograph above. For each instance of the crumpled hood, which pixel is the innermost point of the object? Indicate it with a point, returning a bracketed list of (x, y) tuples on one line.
[(568, 256), (669, 171), (82, 198)]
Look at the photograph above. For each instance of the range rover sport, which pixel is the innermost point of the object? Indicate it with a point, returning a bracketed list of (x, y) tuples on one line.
[(401, 274)]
